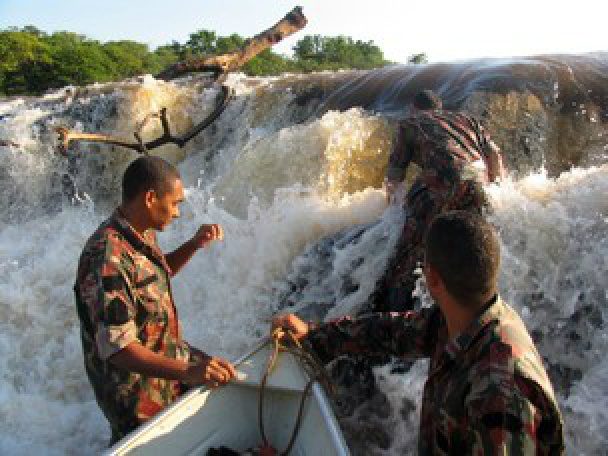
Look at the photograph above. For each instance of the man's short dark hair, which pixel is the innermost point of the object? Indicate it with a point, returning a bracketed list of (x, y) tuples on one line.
[(427, 100), (465, 251), (148, 173)]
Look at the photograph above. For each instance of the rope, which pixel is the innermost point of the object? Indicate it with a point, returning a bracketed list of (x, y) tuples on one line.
[(311, 366)]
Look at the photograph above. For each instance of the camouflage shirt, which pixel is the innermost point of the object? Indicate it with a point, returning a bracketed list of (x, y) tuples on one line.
[(447, 146), (123, 294), (487, 391), (456, 157)]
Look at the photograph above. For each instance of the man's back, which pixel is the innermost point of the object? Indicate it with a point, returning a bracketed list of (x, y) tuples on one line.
[(446, 143), (488, 389), (448, 147)]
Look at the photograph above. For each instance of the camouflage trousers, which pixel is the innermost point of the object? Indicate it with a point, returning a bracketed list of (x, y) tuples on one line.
[(422, 203)]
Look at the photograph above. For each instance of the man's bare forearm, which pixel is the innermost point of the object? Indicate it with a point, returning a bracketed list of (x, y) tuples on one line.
[(180, 256), (137, 358), (206, 370)]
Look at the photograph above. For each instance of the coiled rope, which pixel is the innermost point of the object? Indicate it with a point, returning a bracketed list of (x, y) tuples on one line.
[(285, 341)]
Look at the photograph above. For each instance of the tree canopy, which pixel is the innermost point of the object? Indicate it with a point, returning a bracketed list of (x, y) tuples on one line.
[(339, 52), (32, 61)]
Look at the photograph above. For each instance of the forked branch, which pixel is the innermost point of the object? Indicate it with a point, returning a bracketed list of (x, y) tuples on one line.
[(219, 65), (66, 136)]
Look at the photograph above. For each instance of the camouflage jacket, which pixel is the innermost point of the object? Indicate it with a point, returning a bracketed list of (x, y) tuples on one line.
[(447, 146), (456, 157), (486, 391), (123, 294)]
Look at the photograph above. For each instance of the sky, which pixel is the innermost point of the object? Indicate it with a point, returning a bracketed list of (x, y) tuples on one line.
[(444, 30)]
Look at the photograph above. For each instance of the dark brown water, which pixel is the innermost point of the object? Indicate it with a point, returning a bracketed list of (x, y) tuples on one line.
[(546, 111)]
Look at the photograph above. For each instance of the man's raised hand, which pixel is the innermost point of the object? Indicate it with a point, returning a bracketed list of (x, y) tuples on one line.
[(208, 233)]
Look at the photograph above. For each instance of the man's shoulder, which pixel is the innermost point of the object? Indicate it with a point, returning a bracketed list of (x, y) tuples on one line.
[(105, 243), (438, 120), (511, 329), (507, 352), (463, 119)]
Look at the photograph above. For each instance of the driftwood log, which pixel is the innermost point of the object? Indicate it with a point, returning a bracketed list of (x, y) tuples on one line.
[(225, 63), (218, 65)]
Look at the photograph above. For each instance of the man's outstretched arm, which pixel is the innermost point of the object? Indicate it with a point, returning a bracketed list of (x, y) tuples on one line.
[(203, 237), (407, 334)]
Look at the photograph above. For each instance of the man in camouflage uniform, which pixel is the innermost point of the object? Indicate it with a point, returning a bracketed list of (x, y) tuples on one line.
[(487, 391), (456, 157), (135, 357)]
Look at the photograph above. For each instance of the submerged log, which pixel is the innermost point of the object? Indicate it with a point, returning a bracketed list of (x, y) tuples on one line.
[(291, 23)]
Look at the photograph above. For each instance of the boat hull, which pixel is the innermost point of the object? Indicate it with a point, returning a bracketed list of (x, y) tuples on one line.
[(228, 416)]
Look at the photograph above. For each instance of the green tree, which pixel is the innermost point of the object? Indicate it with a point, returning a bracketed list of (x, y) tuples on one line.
[(267, 63), (418, 58), (309, 48), (20, 54), (32, 61), (201, 43), (77, 60), (162, 57), (129, 58), (32, 30), (174, 48), (338, 52), (226, 44)]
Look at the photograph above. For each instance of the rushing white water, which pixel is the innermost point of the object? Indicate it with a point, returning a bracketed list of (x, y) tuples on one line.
[(278, 186), (554, 263)]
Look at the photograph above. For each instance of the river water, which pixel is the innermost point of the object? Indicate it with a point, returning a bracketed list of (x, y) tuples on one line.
[(292, 170)]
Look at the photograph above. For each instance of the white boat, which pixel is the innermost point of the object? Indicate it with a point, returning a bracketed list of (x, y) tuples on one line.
[(228, 416)]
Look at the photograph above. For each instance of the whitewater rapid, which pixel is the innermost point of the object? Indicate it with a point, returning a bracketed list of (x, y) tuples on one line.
[(277, 187)]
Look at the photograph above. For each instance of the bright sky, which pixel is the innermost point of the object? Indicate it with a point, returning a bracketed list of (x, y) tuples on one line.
[(444, 30)]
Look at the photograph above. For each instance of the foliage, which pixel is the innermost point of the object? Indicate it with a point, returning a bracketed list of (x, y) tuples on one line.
[(32, 61), (340, 52), (21, 53), (417, 59)]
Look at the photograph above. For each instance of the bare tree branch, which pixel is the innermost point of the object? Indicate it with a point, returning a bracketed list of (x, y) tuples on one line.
[(291, 23), (8, 143), (219, 65), (66, 136)]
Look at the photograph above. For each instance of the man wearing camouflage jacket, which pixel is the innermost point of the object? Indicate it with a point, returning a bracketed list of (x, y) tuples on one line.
[(456, 158), (135, 357), (487, 391)]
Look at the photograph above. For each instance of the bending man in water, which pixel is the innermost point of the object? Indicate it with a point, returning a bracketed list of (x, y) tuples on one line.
[(135, 357), (487, 391), (456, 157)]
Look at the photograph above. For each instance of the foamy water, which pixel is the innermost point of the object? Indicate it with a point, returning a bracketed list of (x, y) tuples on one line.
[(278, 187), (554, 262)]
